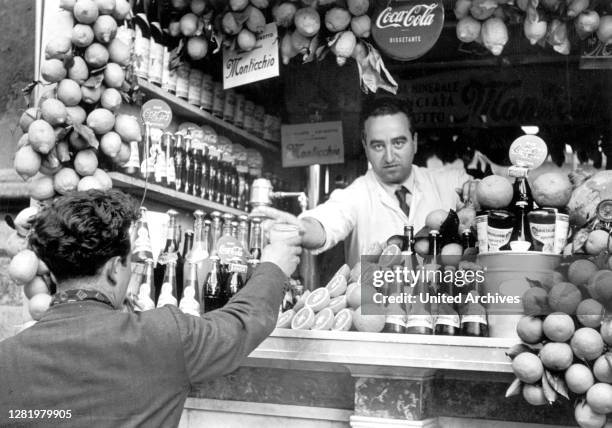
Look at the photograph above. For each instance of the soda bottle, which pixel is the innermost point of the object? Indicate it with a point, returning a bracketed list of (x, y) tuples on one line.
[(146, 292), (228, 227), (197, 173), (141, 241), (205, 184), (147, 166), (213, 287), (520, 240), (255, 244), (395, 320), (474, 317), (168, 294), (199, 251), (234, 282), (190, 164), (215, 230), (170, 252), (468, 242), (156, 46), (179, 162), (522, 190), (220, 180), (243, 231), (189, 303), (168, 143), (419, 319), (447, 322), (132, 167), (142, 37), (212, 175)]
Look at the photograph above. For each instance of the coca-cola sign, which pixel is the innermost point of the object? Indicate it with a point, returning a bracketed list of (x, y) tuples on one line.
[(405, 30)]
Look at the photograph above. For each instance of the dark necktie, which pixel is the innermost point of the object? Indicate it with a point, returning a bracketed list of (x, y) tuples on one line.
[(400, 194)]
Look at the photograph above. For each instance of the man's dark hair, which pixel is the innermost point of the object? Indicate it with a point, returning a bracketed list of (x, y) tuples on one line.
[(76, 234), (384, 106)]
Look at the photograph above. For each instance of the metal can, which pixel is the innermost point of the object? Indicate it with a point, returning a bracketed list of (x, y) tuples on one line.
[(561, 232), (239, 111), (195, 86), (218, 99), (182, 81), (206, 94), (482, 236), (268, 127), (229, 105), (542, 225), (258, 120), (249, 108)]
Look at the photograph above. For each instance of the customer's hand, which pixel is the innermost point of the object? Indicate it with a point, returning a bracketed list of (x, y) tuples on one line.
[(284, 254)]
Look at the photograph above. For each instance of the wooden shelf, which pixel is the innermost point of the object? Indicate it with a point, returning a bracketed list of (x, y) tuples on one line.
[(185, 110), (166, 195)]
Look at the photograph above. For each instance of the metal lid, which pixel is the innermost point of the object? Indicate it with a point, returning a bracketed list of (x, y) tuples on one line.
[(604, 211)]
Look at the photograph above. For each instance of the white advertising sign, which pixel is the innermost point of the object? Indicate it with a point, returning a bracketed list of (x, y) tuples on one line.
[(312, 143)]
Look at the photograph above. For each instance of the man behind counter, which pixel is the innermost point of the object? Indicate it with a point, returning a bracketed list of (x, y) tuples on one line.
[(88, 364), (392, 194)]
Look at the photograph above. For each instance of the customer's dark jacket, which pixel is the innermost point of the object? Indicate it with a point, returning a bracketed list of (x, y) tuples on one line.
[(115, 369)]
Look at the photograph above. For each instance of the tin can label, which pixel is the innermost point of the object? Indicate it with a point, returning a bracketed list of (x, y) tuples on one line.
[(561, 232), (134, 160), (156, 59), (497, 238), (229, 105), (195, 87), (182, 81), (450, 320), (482, 234), (239, 111), (141, 55), (218, 99), (543, 235)]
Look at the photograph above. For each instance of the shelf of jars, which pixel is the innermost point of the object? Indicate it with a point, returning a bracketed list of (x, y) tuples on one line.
[(305, 348), (168, 196), (185, 110)]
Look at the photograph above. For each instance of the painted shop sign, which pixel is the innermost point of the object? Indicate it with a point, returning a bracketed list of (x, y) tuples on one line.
[(312, 143)]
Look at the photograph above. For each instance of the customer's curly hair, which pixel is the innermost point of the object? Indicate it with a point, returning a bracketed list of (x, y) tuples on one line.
[(77, 233)]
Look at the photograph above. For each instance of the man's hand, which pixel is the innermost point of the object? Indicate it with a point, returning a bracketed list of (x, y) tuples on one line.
[(467, 194), (311, 231), (284, 254)]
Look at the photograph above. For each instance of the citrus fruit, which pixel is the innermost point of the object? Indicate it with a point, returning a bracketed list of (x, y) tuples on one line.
[(67, 4), (606, 331), (128, 128), (318, 299), (435, 219), (338, 303), (105, 7), (43, 269), (111, 99), (556, 356), (23, 266), (529, 329), (36, 286), (103, 178), (122, 10), (534, 395), (65, 181), (368, 323), (307, 21), (15, 244), (587, 344), (579, 378), (198, 6), (597, 242), (58, 47), (85, 11), (558, 327), (303, 319), (527, 367), (110, 144), (69, 92), (41, 188), (91, 95), (564, 297), (23, 141), (600, 280), (344, 271), (535, 301), (79, 72), (52, 70), (599, 397), (549, 281), (86, 162), (494, 192), (421, 246), (301, 300), (391, 255), (590, 313), (101, 120), (114, 75), (337, 286), (238, 5), (587, 418), (358, 7), (552, 189), (468, 29), (343, 320), (27, 162), (353, 295), (374, 249), (284, 319), (82, 35), (189, 24), (337, 19), (197, 48), (355, 273), (323, 320), (246, 40), (451, 254), (89, 183), (41, 136), (23, 220), (27, 117), (602, 368), (96, 56), (119, 52), (580, 271), (38, 305), (54, 112)]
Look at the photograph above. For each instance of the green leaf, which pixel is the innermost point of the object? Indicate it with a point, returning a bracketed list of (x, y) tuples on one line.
[(87, 133), (518, 349), (549, 393), (514, 388), (557, 383), (534, 283)]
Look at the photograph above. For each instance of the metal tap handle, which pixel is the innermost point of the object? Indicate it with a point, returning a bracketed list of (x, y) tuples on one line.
[(301, 197)]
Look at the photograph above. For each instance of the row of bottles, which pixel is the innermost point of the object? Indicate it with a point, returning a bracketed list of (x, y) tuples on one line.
[(432, 307), (153, 49), (208, 271)]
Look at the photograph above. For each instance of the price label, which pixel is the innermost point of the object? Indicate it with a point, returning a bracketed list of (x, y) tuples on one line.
[(528, 151), (156, 113)]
